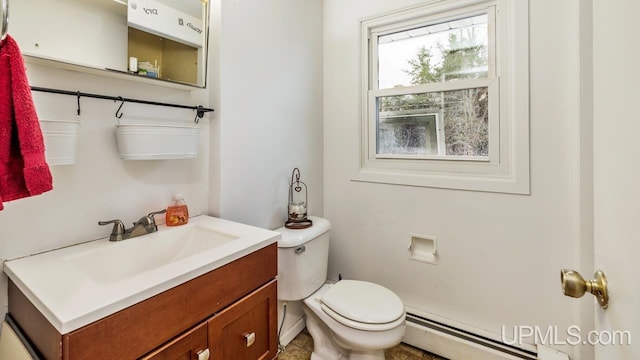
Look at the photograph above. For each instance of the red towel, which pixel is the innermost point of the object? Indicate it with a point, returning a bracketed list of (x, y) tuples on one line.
[(23, 169)]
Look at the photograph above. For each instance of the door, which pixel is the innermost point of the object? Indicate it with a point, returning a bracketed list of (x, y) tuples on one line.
[(616, 40)]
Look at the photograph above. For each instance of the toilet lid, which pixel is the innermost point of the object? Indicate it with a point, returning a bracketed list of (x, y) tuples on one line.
[(363, 302)]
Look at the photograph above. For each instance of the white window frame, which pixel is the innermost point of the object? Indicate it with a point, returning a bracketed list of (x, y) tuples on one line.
[(506, 169)]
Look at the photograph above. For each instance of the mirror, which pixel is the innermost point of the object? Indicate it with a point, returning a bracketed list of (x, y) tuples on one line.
[(157, 39)]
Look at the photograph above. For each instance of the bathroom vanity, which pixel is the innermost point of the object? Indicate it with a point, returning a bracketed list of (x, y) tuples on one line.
[(213, 298)]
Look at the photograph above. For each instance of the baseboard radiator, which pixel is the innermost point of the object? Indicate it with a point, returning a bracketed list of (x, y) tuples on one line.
[(457, 344)]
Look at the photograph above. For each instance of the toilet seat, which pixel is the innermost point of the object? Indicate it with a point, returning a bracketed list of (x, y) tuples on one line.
[(363, 305)]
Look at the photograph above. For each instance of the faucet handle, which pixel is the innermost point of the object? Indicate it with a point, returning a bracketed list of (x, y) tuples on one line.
[(118, 231), (149, 222), (152, 220), (151, 214)]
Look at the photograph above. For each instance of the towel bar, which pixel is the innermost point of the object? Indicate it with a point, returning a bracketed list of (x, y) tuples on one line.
[(200, 110)]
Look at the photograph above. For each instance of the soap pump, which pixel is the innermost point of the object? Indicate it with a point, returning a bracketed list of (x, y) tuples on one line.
[(177, 211)]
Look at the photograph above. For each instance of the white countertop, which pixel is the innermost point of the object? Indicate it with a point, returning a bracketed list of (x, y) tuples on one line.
[(72, 293)]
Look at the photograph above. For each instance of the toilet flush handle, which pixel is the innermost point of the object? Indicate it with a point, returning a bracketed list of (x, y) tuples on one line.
[(300, 249)]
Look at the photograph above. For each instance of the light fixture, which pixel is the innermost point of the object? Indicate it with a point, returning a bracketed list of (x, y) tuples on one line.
[(297, 205)]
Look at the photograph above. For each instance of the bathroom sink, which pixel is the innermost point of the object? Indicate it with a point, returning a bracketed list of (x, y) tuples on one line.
[(77, 285), (133, 258)]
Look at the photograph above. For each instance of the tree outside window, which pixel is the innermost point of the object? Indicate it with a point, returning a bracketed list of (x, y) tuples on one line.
[(451, 123)]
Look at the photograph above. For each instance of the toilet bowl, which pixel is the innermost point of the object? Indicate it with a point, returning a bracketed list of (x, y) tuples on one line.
[(354, 320), (350, 319)]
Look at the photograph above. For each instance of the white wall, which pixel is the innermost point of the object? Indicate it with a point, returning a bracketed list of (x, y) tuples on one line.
[(265, 82), (267, 89), (101, 186), (499, 254), (268, 94)]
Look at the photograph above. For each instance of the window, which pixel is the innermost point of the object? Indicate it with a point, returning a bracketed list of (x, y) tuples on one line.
[(445, 96)]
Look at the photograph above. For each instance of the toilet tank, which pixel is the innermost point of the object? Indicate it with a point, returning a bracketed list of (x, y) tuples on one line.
[(302, 260)]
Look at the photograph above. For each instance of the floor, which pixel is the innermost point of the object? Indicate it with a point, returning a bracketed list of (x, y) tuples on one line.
[(300, 349)]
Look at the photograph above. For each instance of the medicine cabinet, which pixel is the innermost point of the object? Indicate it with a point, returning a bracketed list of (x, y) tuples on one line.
[(164, 41)]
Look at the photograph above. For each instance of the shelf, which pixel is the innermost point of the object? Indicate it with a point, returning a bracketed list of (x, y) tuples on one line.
[(116, 74)]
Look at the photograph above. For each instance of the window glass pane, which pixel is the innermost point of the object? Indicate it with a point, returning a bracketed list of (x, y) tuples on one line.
[(453, 123), (456, 49)]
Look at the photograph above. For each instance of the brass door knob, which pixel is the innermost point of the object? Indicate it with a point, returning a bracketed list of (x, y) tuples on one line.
[(574, 285)]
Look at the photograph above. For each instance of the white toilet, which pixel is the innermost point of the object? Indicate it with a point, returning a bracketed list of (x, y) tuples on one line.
[(350, 319)]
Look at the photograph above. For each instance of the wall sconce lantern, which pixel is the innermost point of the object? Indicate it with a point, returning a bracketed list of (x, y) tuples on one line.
[(297, 214)]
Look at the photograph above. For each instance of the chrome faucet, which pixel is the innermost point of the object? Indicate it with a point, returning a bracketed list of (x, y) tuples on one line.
[(145, 225)]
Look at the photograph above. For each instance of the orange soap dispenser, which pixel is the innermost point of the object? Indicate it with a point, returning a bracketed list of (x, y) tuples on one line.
[(177, 212)]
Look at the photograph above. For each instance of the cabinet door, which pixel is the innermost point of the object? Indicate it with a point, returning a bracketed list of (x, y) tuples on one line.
[(246, 330), (188, 346)]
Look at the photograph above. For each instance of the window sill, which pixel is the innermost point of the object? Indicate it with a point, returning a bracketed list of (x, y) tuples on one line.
[(471, 182)]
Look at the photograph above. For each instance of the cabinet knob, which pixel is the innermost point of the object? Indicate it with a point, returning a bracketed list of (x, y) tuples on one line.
[(250, 337), (203, 354)]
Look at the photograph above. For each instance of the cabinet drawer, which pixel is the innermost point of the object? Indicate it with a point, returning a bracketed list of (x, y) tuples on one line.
[(247, 330), (184, 347)]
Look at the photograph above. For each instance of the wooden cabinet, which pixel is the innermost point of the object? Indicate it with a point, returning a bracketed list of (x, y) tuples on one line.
[(246, 330), (212, 311)]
